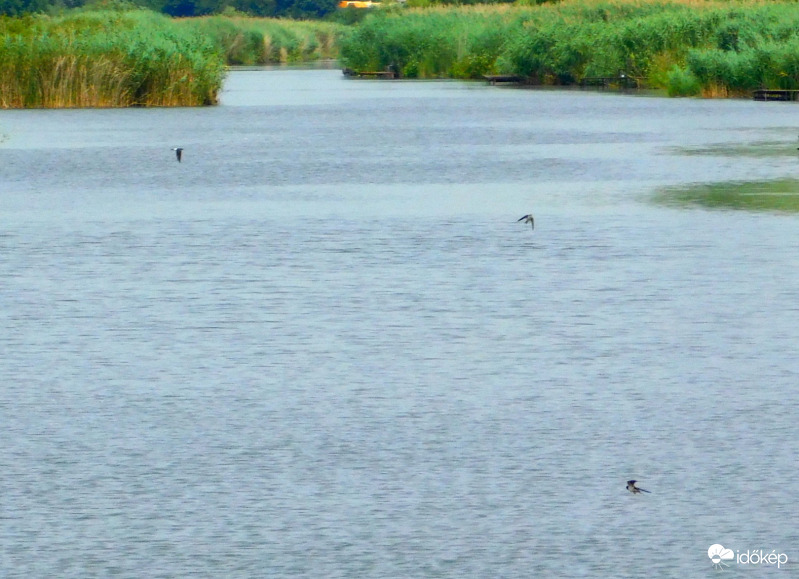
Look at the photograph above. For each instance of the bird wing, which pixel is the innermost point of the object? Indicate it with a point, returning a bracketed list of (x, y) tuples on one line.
[(522, 218)]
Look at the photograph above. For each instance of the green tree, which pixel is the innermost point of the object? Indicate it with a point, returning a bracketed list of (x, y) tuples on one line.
[(20, 7)]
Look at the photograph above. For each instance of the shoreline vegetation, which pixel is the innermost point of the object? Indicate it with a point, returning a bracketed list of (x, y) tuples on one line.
[(136, 57), (105, 59), (247, 40), (112, 58), (709, 48)]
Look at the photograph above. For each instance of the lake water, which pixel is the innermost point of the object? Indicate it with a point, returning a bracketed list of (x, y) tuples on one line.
[(322, 345)]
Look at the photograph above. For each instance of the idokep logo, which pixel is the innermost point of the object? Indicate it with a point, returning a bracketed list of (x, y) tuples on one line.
[(718, 554)]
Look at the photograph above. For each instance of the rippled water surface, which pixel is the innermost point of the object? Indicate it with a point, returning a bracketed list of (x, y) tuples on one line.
[(322, 346)]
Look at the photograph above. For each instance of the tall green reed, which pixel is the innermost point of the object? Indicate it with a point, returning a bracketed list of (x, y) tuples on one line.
[(716, 48), (106, 59), (251, 41)]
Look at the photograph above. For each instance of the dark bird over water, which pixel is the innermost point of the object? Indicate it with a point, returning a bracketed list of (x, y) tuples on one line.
[(634, 489), (528, 219), (178, 152)]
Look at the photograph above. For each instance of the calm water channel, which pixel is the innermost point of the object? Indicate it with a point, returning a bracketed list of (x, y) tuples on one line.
[(322, 346)]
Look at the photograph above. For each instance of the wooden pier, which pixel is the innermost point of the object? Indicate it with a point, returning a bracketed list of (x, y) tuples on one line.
[(768, 94), (503, 79), (621, 81), (348, 72)]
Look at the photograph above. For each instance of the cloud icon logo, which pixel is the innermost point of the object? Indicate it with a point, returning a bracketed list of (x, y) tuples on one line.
[(718, 554)]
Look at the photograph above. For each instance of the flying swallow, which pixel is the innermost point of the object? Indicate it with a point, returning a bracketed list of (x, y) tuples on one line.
[(634, 489), (528, 219), (178, 152)]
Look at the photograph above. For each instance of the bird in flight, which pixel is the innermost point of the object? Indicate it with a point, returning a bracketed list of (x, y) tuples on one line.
[(528, 219), (178, 152), (634, 489)]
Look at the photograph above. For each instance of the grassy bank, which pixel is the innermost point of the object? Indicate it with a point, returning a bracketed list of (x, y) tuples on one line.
[(689, 47), (106, 59)]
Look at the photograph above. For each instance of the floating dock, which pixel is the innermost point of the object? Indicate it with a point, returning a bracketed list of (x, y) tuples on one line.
[(768, 94)]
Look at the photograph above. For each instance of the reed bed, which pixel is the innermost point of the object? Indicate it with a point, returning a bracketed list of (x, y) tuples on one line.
[(106, 59), (250, 41), (689, 47), (435, 42)]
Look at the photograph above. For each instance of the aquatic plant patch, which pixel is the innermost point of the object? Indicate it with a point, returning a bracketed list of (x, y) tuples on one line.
[(776, 195)]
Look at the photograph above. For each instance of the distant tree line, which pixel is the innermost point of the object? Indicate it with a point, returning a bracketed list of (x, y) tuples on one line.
[(301, 9), (297, 9)]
